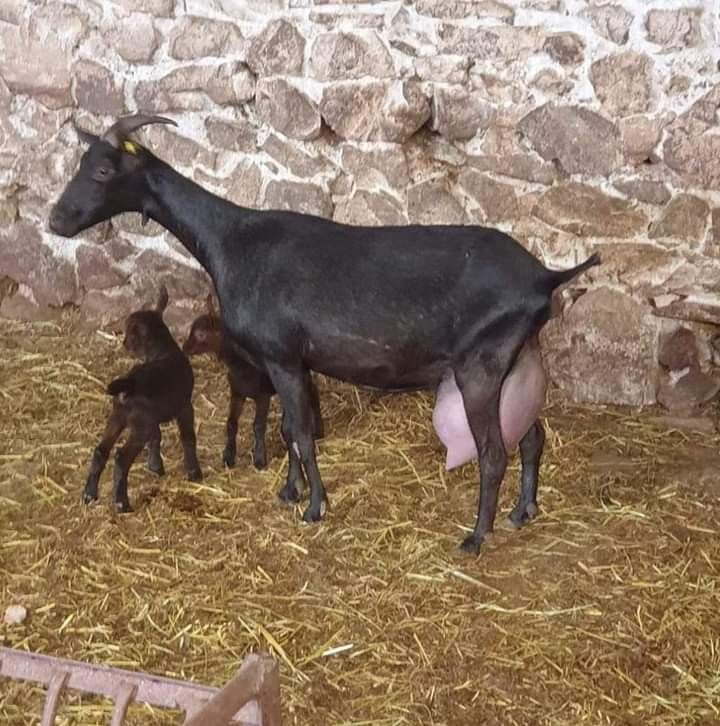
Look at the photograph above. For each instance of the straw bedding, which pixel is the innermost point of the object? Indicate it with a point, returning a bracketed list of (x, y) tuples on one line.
[(606, 610)]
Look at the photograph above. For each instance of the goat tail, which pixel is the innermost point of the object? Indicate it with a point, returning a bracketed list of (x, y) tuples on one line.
[(120, 385), (560, 277)]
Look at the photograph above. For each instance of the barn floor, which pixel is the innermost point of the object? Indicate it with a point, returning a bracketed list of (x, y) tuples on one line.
[(606, 610)]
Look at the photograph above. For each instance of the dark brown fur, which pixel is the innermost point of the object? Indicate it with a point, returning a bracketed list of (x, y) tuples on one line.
[(155, 391)]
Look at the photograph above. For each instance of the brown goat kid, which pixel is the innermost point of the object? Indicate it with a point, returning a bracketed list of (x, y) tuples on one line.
[(245, 381), (155, 391)]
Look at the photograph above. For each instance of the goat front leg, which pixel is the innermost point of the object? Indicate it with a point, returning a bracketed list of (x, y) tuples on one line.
[(231, 428), (262, 406), (113, 428), (296, 399), (531, 449), (154, 460), (292, 492), (186, 426)]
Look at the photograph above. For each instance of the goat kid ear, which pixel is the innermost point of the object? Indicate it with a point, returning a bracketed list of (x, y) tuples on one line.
[(162, 300)]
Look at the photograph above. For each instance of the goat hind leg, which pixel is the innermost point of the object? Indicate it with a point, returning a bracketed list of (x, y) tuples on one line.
[(262, 406), (531, 449), (113, 428), (154, 460), (231, 428), (186, 427), (479, 379), (124, 458)]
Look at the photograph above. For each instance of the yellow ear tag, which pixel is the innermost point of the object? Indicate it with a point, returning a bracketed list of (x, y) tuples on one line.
[(130, 147)]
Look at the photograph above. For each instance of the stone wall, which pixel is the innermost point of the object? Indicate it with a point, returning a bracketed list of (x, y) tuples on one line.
[(573, 125)]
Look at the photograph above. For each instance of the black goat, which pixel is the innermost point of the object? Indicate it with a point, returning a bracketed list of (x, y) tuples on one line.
[(395, 308), (246, 381), (155, 391)]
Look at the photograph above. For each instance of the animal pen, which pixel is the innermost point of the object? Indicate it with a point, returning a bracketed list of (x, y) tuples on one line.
[(604, 610), (251, 698)]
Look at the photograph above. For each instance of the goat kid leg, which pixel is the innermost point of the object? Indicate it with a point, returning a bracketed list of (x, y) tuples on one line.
[(262, 406), (296, 399), (292, 492), (231, 428), (124, 458), (115, 425), (186, 426), (154, 461), (531, 449), (318, 424)]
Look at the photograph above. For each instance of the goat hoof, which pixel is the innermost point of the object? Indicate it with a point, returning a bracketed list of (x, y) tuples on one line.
[(288, 495), (511, 523), (260, 461), (123, 507), (310, 515), (470, 545), (516, 520), (88, 498), (157, 470), (228, 459), (195, 475)]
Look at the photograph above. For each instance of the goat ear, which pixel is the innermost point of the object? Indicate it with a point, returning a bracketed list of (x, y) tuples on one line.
[(162, 300), (85, 136), (209, 305)]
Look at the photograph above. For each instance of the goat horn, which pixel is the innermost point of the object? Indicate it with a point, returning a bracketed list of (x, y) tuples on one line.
[(162, 300), (209, 305), (127, 124)]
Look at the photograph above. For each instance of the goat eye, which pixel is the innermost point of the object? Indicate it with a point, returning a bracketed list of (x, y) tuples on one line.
[(102, 173)]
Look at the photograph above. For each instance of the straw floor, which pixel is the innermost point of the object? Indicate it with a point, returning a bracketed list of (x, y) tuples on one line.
[(606, 610)]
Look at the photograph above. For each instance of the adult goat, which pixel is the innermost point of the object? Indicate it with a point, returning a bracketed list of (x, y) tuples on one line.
[(394, 308)]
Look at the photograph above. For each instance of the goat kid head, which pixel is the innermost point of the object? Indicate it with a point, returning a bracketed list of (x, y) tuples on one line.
[(145, 330), (205, 334), (109, 180)]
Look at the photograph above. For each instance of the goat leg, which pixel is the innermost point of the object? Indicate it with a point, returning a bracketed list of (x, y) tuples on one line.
[(292, 492), (124, 459), (231, 428), (113, 428), (318, 424), (479, 376), (155, 462), (295, 397), (531, 448), (186, 426), (262, 406)]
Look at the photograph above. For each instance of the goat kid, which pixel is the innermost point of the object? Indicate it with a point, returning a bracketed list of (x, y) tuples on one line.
[(155, 391), (246, 381), (396, 308)]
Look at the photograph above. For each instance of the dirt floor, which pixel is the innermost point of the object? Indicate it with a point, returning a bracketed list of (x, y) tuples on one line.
[(605, 610)]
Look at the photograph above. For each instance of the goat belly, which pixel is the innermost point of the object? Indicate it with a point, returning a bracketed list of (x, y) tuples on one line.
[(521, 400)]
